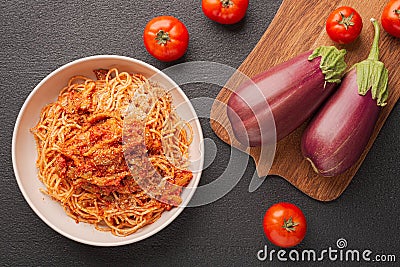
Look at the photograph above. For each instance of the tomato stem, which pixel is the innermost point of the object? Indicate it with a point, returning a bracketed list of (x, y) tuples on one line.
[(162, 37), (346, 21), (226, 3), (397, 11), (374, 52), (289, 225)]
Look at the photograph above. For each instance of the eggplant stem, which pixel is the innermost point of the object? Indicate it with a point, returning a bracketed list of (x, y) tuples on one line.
[(332, 62), (374, 53), (226, 3), (372, 74)]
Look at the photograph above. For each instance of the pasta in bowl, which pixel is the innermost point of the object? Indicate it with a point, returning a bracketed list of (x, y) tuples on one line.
[(74, 169)]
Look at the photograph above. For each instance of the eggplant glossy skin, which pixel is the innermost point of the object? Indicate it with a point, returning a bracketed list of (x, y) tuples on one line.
[(293, 90), (339, 133)]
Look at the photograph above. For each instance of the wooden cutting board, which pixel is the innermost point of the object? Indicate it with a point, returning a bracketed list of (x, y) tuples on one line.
[(297, 27)]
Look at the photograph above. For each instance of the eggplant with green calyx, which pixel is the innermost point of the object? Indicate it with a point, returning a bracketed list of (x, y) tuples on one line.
[(293, 89), (338, 134)]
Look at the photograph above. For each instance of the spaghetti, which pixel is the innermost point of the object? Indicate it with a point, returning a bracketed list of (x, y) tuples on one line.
[(81, 151)]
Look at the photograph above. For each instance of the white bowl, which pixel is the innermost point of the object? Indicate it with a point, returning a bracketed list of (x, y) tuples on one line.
[(24, 149)]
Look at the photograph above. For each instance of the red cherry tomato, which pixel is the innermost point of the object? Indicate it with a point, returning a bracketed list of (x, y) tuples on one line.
[(225, 11), (166, 38), (391, 18), (344, 25), (284, 224)]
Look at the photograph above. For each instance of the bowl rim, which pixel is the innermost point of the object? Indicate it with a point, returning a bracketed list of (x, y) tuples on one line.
[(123, 241)]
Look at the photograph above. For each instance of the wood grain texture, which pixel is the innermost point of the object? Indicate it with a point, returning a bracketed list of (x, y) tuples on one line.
[(297, 28)]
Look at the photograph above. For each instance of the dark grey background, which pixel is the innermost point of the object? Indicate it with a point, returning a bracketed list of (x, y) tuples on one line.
[(39, 37)]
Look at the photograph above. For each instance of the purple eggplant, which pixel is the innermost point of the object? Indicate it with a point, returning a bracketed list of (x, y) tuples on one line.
[(293, 89), (338, 134)]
